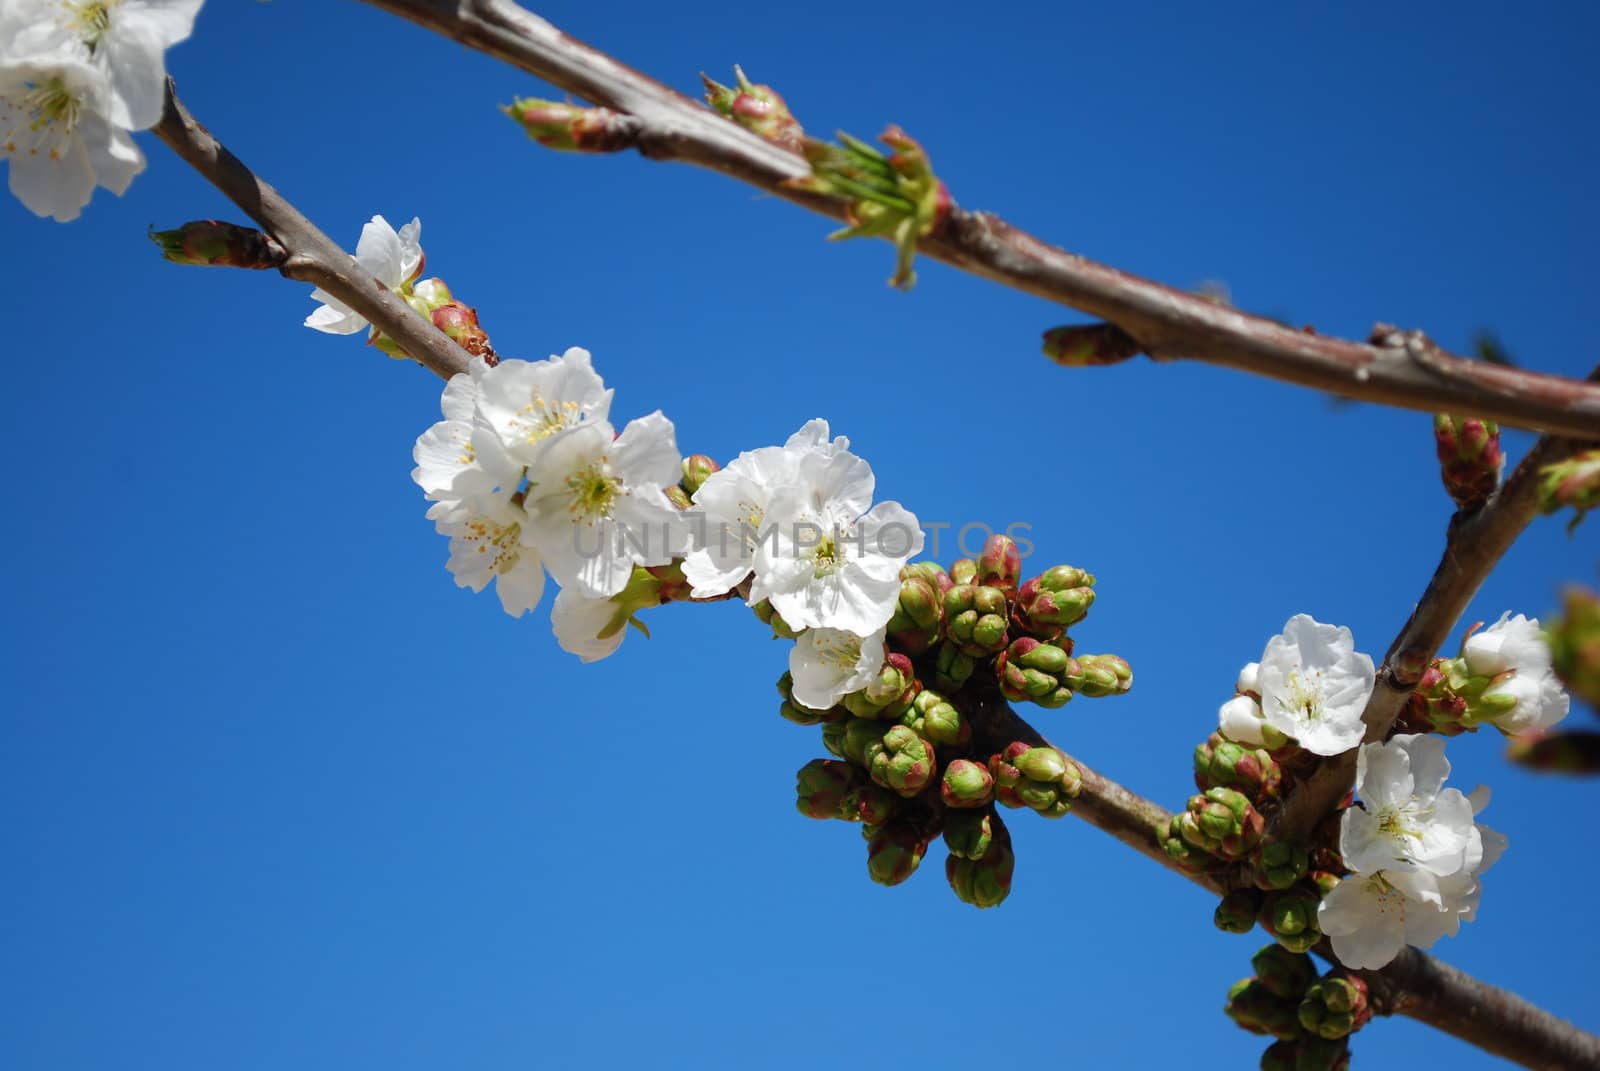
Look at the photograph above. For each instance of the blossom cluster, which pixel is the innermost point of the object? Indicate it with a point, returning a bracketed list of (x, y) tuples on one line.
[(1414, 850), (527, 476), (1310, 686), (76, 78)]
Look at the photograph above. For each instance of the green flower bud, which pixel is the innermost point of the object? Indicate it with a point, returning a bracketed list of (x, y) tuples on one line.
[(1089, 345), (1183, 854), (771, 617), (1035, 672), (1470, 458), (679, 498), (895, 851), (935, 719), (1285, 973), (952, 668), (568, 127), (1290, 916), (1280, 1056), (1223, 823), (1101, 675), (901, 761), (1039, 778), (859, 735), (1279, 865), (1257, 1009), (968, 834), (697, 469), (1569, 751), (984, 881), (890, 694), (1050, 603), (1000, 564), (1237, 911), (963, 571), (1220, 763), (1575, 644), (918, 617), (975, 619), (1574, 482), (757, 108), (213, 243), (1335, 1007), (966, 784), (869, 803), (932, 572), (1320, 1054), (804, 715), (822, 785)]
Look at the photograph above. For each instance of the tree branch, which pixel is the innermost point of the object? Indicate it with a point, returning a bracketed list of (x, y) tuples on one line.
[(1414, 984), (666, 125), (312, 256)]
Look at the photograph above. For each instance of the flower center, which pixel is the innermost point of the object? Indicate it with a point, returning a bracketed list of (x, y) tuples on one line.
[(1305, 696), (594, 490), (486, 534), (541, 419), (49, 115), (825, 556), (91, 20)]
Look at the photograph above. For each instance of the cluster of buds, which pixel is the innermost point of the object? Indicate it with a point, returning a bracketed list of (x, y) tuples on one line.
[(1221, 763), (1223, 823), (757, 108), (1311, 1017), (1470, 458), (1335, 1007), (906, 762), (894, 196), (213, 243), (568, 127), (1573, 483)]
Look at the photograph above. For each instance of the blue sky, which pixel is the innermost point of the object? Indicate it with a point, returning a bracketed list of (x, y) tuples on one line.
[(278, 793)]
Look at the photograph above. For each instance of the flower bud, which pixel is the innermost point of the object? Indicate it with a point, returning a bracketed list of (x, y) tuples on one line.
[(1185, 856), (932, 572), (1089, 345), (889, 695), (869, 803), (966, 784), (1222, 763), (1223, 823), (1053, 601), (901, 761), (773, 619), (1101, 675), (757, 108), (1280, 1056), (1290, 916), (985, 881), (1335, 1007), (968, 834), (1470, 458), (1320, 1054), (1000, 564), (460, 323), (975, 619), (822, 785), (1574, 482), (1285, 973), (1035, 672), (895, 851), (1575, 644), (1039, 778), (859, 734), (952, 668), (1568, 751), (697, 469), (1236, 912), (935, 719), (568, 127), (1257, 1009), (1279, 865), (918, 616), (213, 243), (963, 571)]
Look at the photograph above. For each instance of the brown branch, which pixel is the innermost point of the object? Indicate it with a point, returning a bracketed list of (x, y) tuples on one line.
[(1414, 985), (313, 257), (1166, 322)]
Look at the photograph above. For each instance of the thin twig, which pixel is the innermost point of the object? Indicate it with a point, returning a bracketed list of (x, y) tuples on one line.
[(666, 125), (313, 256), (1414, 984)]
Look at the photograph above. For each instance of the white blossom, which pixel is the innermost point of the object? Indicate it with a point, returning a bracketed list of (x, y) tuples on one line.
[(830, 561), (1371, 917), (596, 505), (732, 507), (1314, 685), (53, 130), (459, 475), (828, 664), (588, 627), (493, 546), (1514, 651), (1406, 818), (524, 405), (392, 258)]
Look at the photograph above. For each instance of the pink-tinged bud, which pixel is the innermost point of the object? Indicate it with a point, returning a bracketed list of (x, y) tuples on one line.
[(966, 784), (1000, 564), (1470, 458), (895, 851), (1574, 482), (570, 128), (461, 324), (697, 469), (1570, 751), (675, 587), (1089, 345), (213, 243), (757, 108)]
